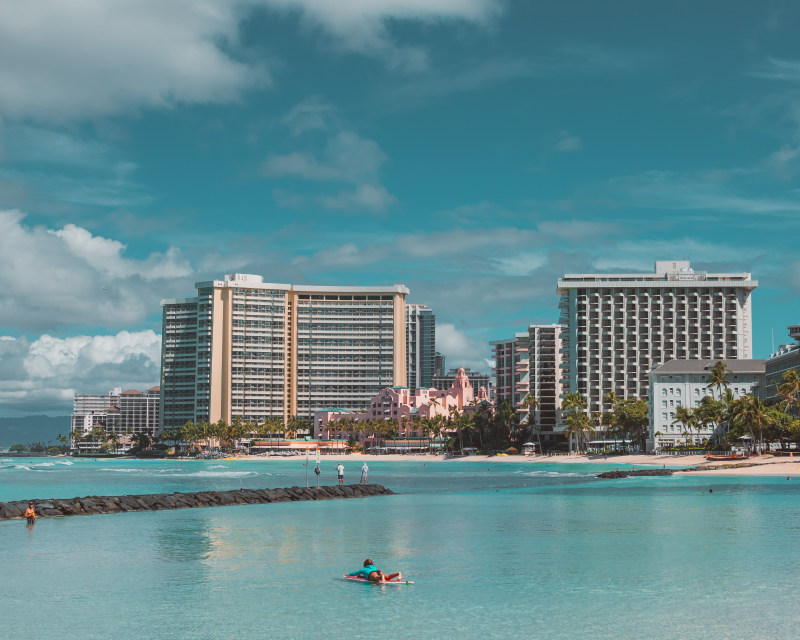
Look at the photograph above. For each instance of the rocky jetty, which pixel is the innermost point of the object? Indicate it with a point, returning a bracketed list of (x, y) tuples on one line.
[(90, 505), (628, 473)]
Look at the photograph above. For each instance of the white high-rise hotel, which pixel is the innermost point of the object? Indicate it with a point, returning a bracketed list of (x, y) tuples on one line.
[(620, 326), (249, 349)]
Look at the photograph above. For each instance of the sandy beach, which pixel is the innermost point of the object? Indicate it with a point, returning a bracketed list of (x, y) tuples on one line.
[(766, 465)]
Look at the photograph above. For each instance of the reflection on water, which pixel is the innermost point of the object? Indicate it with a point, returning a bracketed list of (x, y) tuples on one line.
[(498, 553)]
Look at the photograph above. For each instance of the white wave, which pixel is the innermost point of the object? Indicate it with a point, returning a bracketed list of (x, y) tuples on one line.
[(554, 474), (221, 474)]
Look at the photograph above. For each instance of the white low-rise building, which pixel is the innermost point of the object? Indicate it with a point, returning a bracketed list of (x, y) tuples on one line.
[(684, 383)]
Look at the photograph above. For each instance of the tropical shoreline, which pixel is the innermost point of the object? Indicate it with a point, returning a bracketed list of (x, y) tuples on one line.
[(765, 465)]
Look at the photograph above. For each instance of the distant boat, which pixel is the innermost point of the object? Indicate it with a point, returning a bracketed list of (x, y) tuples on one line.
[(732, 456)]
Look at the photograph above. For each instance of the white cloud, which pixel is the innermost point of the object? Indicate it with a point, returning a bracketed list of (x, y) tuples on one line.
[(44, 375), (462, 350), (779, 69), (104, 254), (361, 25), (346, 157), (373, 198), (709, 192), (310, 114), (53, 277), (522, 264), (421, 245), (62, 61), (74, 60), (569, 143), (640, 255)]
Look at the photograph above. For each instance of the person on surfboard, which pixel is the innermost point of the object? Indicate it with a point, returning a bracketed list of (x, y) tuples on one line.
[(374, 575)]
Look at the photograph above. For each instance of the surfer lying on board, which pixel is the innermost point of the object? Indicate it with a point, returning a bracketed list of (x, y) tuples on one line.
[(373, 575)]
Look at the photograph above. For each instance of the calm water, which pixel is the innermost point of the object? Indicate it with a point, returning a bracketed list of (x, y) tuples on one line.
[(503, 550)]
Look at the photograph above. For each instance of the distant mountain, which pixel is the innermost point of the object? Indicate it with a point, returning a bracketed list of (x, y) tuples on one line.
[(32, 429)]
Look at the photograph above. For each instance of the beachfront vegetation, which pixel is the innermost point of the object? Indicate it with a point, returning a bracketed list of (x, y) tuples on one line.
[(746, 420)]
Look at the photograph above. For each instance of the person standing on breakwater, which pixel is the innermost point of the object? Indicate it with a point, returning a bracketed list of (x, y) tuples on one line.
[(340, 473), (30, 514), (364, 469)]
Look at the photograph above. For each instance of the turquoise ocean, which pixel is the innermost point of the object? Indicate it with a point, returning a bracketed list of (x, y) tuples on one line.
[(497, 550)]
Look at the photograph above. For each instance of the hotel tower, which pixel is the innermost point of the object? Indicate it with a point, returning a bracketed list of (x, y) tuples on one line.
[(420, 346), (249, 349), (620, 326), (530, 363)]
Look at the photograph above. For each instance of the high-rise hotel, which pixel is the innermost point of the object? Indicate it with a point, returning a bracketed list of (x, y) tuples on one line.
[(530, 363), (249, 349), (420, 346), (620, 326)]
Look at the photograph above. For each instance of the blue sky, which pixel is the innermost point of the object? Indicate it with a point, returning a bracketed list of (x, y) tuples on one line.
[(474, 150)]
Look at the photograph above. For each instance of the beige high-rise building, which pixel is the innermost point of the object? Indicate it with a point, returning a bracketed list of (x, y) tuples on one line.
[(620, 326), (249, 349)]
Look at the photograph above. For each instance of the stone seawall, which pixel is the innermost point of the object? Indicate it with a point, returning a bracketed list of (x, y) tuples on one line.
[(629, 473), (91, 505)]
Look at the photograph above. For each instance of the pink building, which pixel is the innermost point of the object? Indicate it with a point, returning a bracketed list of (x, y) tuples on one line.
[(404, 406)]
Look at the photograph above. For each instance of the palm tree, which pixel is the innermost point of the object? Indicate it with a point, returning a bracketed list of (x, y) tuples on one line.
[(718, 376), (686, 417), (573, 401), (788, 390), (433, 402), (575, 404), (579, 425), (755, 414), (531, 403)]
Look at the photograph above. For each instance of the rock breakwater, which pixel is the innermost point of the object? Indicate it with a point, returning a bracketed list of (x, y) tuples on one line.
[(91, 505), (643, 472)]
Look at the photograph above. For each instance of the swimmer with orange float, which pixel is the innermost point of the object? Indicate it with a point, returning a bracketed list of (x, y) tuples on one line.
[(30, 514)]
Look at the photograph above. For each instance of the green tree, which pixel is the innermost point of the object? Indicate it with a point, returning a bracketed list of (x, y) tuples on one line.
[(756, 416), (788, 389), (18, 448), (531, 403), (573, 405), (686, 417), (718, 376), (577, 424), (632, 419)]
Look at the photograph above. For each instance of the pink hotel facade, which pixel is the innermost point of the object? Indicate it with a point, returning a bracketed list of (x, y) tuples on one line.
[(402, 405)]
